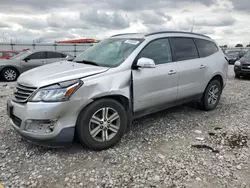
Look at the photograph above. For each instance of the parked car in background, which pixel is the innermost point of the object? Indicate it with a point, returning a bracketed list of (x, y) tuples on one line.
[(10, 69), (242, 66), (234, 55), (98, 94), (7, 54)]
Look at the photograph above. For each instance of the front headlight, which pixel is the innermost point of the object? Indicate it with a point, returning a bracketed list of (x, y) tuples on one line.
[(237, 63), (57, 92)]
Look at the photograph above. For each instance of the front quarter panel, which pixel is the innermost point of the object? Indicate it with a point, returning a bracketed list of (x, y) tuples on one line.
[(10, 63), (106, 84)]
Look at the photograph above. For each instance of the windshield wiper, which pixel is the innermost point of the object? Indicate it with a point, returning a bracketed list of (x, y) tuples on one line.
[(87, 62)]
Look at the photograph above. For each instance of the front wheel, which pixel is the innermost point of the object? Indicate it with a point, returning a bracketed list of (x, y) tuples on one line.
[(9, 74), (102, 124), (237, 76), (211, 96)]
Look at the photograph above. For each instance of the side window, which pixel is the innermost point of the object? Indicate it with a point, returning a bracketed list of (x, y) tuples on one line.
[(158, 50), (205, 48), (1, 54), (184, 48), (54, 55), (10, 54), (38, 55)]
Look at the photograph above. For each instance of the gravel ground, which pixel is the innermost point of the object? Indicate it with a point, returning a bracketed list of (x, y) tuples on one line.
[(179, 147)]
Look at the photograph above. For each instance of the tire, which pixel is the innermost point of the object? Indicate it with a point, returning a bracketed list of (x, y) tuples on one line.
[(237, 76), (98, 126), (9, 74), (208, 101)]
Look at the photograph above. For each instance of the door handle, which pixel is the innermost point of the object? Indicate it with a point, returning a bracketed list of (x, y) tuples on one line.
[(202, 67), (171, 72)]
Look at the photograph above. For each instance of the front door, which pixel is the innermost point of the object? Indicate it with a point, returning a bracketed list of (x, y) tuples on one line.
[(34, 60), (155, 87)]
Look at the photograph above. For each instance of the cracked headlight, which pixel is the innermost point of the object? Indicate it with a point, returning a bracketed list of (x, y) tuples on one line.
[(57, 92)]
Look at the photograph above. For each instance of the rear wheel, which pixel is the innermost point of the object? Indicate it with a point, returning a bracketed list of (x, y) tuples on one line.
[(102, 124), (211, 96), (9, 74)]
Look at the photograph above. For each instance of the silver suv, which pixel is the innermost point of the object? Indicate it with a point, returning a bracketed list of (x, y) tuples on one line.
[(96, 96)]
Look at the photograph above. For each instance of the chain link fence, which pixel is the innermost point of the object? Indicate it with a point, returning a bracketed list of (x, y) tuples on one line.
[(73, 49)]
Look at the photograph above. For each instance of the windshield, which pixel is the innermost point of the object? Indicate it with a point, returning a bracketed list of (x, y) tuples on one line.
[(109, 53), (247, 54), (233, 53), (20, 55)]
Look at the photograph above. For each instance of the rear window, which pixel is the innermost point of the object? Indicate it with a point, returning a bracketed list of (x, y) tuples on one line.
[(205, 48), (184, 48)]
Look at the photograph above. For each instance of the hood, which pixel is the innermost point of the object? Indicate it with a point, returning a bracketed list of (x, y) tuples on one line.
[(58, 72), (245, 60)]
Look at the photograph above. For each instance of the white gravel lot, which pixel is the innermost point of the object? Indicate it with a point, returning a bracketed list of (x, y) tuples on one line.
[(157, 152)]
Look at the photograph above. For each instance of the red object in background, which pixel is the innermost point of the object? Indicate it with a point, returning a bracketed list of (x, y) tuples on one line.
[(78, 41), (7, 54)]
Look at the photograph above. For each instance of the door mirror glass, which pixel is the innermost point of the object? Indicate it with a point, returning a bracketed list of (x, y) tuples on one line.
[(145, 63)]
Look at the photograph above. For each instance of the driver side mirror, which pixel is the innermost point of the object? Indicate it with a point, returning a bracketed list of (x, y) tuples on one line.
[(145, 63), (26, 59)]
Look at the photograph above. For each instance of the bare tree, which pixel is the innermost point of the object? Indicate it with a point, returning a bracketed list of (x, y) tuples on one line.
[(38, 40)]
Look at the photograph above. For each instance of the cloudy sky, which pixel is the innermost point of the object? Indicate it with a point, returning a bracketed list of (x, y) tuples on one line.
[(226, 21)]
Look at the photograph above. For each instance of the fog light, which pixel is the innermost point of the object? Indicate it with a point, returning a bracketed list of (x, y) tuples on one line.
[(40, 126)]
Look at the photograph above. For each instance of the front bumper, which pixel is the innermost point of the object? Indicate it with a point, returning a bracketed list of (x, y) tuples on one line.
[(47, 124), (240, 71)]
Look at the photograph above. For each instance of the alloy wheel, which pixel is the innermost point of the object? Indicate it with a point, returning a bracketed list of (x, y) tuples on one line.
[(104, 124), (10, 75), (213, 95)]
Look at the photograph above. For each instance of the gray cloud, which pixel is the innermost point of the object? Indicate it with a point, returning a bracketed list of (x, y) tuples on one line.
[(3, 25), (113, 20), (215, 21), (243, 5), (128, 5), (153, 17), (64, 22), (28, 23)]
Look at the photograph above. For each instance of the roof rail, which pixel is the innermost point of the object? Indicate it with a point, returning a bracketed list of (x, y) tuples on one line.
[(124, 34), (162, 32)]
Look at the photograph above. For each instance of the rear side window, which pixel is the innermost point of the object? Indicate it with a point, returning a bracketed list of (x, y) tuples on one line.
[(54, 55), (10, 54), (1, 54), (184, 48), (38, 55), (205, 48), (159, 50)]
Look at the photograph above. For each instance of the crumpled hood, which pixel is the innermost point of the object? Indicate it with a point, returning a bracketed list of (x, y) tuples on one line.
[(58, 72), (245, 60)]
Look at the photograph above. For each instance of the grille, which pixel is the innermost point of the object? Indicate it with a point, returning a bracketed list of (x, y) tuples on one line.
[(23, 93), (245, 66)]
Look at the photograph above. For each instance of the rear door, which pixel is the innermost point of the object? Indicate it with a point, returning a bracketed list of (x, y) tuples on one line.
[(154, 87), (191, 68), (55, 56), (34, 60)]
